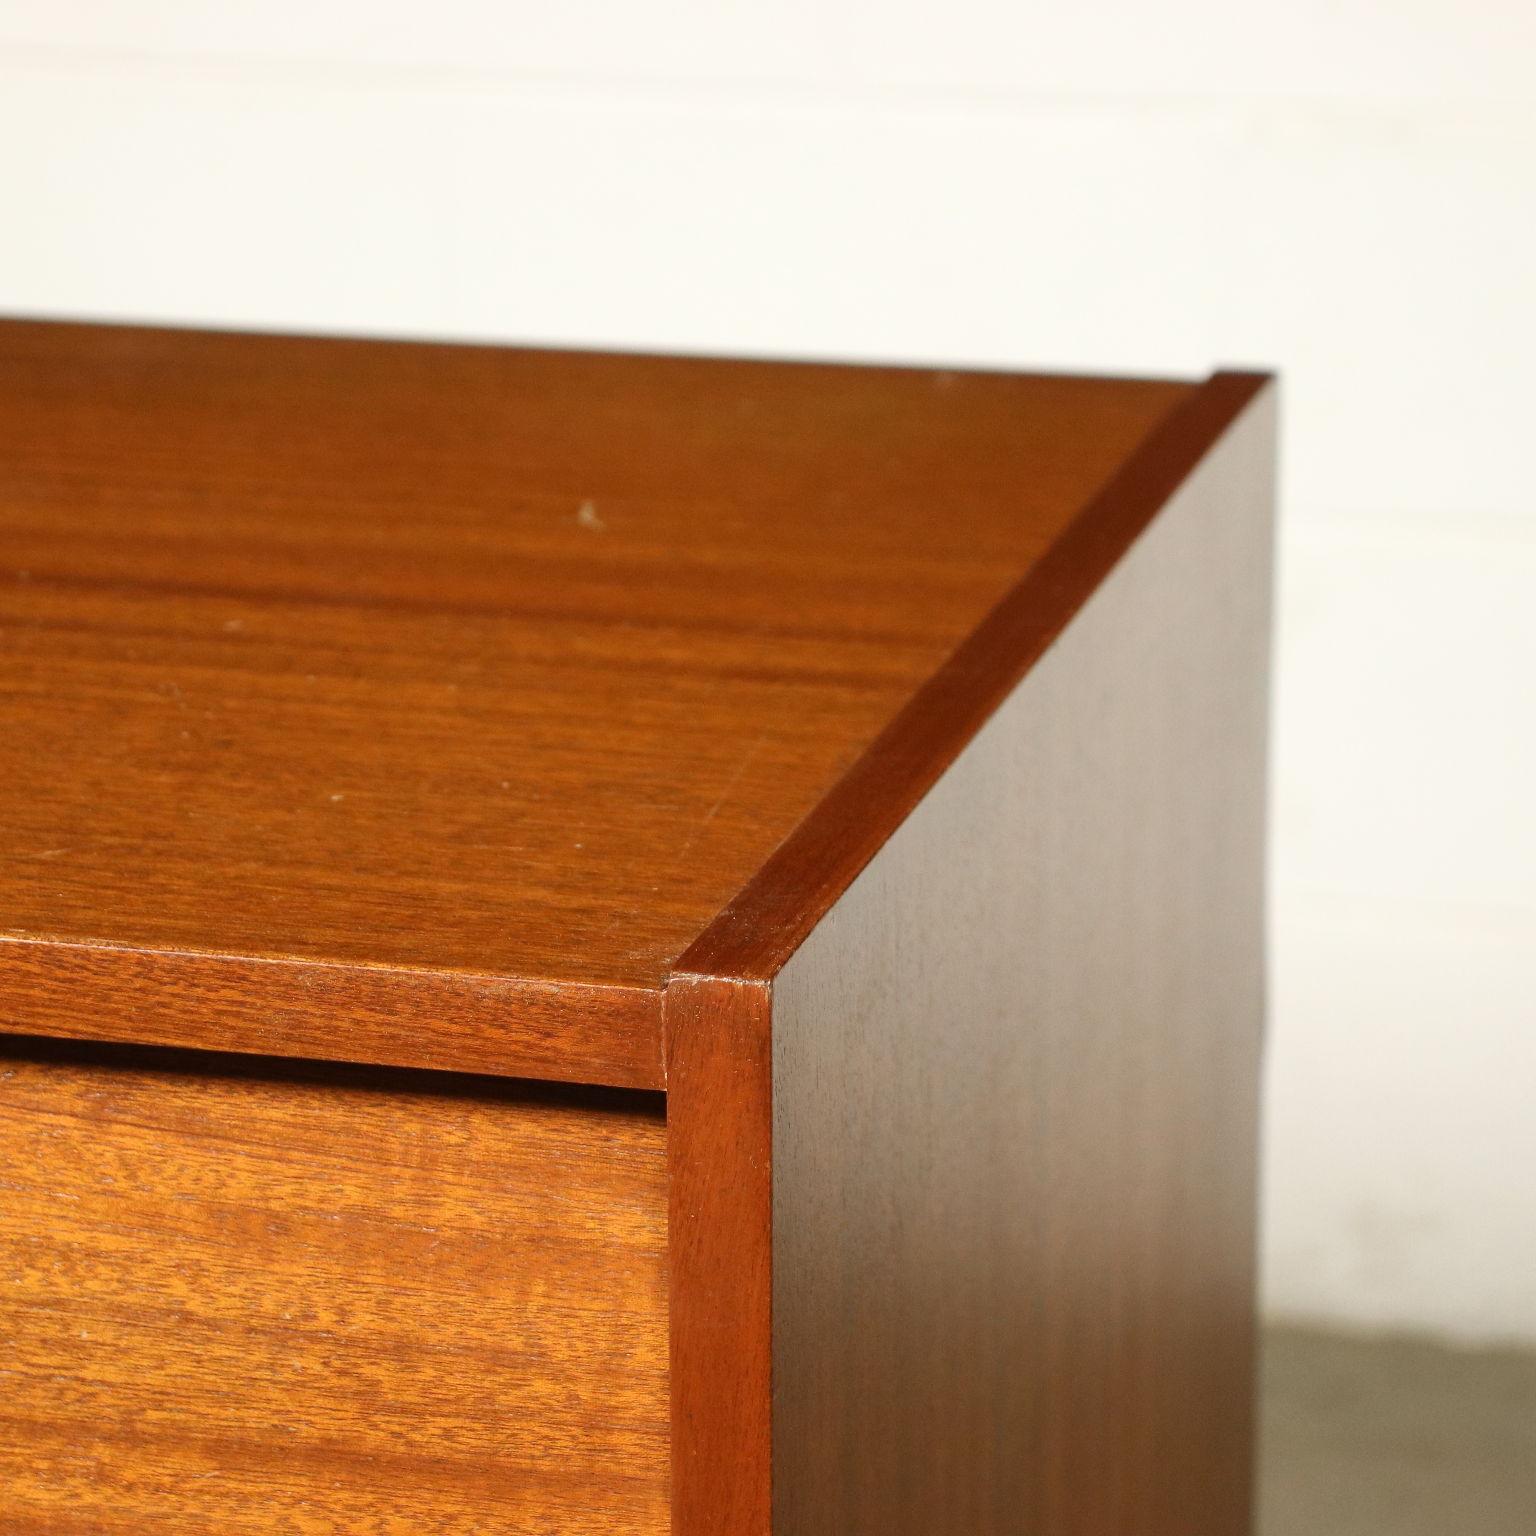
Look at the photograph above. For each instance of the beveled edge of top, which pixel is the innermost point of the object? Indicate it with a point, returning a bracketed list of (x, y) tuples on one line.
[(755, 934)]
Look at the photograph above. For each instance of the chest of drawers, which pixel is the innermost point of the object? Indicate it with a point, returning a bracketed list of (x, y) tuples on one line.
[(621, 944)]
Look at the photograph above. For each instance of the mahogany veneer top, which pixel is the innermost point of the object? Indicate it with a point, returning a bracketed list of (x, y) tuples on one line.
[(421, 703)]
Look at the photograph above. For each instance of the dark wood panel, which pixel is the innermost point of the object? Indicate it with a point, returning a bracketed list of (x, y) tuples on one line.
[(438, 664), (719, 1072), (326, 1302), (1014, 1080)]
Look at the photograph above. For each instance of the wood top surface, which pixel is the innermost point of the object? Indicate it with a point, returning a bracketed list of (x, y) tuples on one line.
[(424, 704)]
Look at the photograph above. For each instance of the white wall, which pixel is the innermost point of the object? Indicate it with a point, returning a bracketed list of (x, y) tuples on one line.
[(1340, 187)]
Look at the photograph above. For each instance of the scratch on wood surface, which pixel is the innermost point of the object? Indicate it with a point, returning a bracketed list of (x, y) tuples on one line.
[(737, 774)]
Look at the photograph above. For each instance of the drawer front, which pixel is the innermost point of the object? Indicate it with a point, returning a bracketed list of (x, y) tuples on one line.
[(241, 1299)]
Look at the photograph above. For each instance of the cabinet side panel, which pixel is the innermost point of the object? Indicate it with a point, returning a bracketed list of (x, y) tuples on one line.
[(1015, 1081), (325, 1302)]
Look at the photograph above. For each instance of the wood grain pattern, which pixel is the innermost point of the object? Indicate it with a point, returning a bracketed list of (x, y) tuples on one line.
[(392, 1016), (493, 672), (720, 1160), (1014, 1087), (764, 923), (246, 1299), (752, 731), (713, 1091)]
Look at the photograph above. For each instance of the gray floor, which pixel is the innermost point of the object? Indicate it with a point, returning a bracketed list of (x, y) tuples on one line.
[(1393, 1437)]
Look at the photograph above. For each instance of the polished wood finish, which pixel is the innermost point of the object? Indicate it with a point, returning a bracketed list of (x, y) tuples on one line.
[(1014, 1089), (248, 1300), (870, 760), (775, 911), (468, 683), (992, 1034), (720, 1154)]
